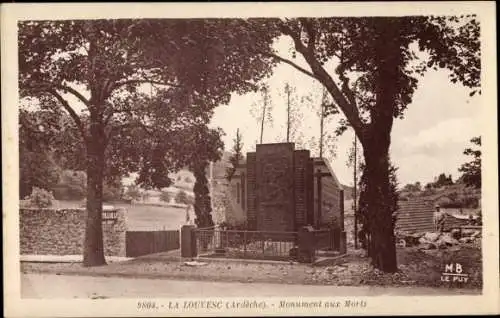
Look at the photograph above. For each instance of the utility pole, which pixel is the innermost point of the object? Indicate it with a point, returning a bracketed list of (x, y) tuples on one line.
[(262, 123), (263, 115), (322, 117), (211, 189), (287, 90), (355, 195)]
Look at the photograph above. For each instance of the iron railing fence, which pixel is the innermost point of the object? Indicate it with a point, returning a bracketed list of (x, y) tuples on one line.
[(324, 241), (246, 244)]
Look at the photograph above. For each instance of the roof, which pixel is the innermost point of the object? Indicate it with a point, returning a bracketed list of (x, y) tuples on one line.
[(415, 215), (321, 161)]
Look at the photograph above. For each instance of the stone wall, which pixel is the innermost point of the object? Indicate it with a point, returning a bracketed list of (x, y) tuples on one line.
[(62, 231)]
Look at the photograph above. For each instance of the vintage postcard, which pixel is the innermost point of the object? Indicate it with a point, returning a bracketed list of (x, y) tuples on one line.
[(249, 159)]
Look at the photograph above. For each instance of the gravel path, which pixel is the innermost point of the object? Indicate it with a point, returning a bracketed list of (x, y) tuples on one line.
[(60, 286), (417, 268)]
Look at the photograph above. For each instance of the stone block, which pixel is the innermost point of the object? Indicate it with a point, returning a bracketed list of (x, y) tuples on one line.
[(431, 236), (306, 244), (188, 241), (343, 242)]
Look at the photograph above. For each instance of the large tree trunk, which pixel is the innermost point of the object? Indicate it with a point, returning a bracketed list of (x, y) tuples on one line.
[(381, 245), (376, 142), (93, 251)]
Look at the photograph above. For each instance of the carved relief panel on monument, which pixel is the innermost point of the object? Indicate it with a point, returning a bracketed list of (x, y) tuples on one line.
[(275, 187), (275, 177)]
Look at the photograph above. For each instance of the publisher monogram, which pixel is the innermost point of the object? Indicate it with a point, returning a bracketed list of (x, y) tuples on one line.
[(453, 272)]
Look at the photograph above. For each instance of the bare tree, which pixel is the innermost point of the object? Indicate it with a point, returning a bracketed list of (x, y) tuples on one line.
[(262, 110)]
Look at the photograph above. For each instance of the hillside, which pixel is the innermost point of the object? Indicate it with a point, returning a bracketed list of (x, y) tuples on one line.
[(456, 195)]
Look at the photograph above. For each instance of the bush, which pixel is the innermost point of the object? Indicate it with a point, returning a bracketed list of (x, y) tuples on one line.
[(181, 197), (112, 190), (165, 196), (72, 185), (133, 193), (40, 198)]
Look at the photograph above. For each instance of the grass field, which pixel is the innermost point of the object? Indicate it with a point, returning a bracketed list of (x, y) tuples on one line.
[(149, 217), (143, 217)]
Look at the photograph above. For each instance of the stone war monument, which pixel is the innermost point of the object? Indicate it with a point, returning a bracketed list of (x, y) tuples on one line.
[(280, 188)]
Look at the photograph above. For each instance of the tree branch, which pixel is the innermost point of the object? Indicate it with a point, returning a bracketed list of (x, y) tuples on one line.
[(350, 110), (114, 129), (72, 91), (71, 112), (140, 81), (284, 60), (311, 33)]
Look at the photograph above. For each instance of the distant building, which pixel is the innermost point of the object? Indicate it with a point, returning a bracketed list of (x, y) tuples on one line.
[(415, 215), (419, 215)]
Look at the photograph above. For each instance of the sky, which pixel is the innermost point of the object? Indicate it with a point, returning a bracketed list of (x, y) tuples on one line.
[(430, 140)]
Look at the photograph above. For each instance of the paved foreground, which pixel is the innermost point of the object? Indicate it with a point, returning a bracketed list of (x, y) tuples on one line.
[(60, 286)]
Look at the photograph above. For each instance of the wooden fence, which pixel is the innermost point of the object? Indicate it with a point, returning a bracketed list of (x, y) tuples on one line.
[(148, 242)]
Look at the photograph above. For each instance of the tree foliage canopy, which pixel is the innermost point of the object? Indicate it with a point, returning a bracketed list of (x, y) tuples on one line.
[(353, 44), (189, 62), (95, 70), (199, 63), (375, 74), (236, 155), (471, 171)]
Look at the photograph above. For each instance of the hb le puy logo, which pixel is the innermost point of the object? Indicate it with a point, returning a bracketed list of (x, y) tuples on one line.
[(454, 272)]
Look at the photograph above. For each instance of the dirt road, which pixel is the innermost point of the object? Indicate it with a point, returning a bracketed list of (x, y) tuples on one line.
[(60, 286)]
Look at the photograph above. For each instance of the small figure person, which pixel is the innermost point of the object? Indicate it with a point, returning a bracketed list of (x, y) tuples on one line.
[(439, 219)]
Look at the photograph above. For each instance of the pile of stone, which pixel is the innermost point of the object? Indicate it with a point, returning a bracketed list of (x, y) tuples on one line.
[(436, 240)]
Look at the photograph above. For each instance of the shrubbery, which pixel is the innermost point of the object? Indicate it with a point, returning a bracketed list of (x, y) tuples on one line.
[(72, 185), (165, 196), (112, 190), (133, 192), (40, 198), (181, 197)]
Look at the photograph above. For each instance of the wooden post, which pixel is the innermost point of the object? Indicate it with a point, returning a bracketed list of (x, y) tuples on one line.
[(355, 195), (341, 208), (244, 243), (263, 244), (321, 124), (287, 88)]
